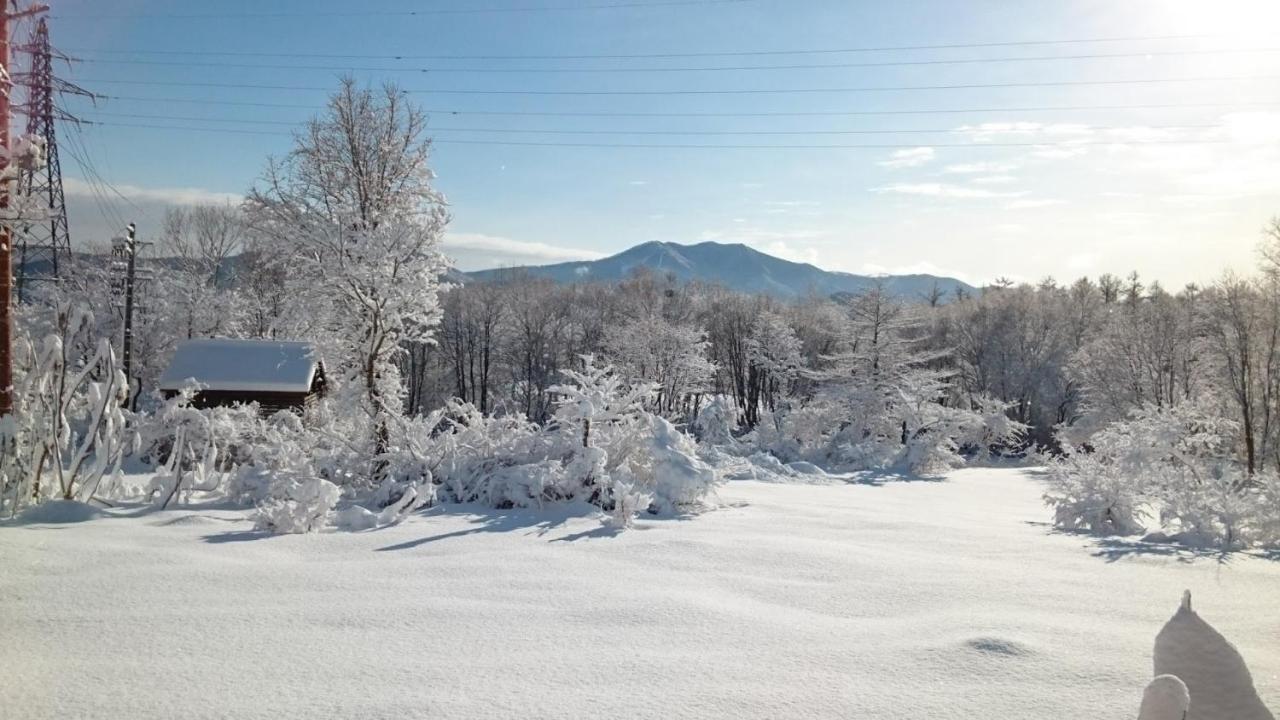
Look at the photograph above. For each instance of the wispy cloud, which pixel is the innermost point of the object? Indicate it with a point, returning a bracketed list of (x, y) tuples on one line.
[(979, 168), (919, 268), (797, 207), (75, 187), (477, 250), (999, 130), (944, 190), (993, 179), (1058, 152), (911, 157), (792, 244), (1032, 204)]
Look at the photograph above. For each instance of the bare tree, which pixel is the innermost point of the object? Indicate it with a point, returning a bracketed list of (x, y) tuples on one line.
[(202, 238)]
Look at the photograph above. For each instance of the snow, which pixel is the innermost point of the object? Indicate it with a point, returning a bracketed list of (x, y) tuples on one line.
[(250, 365), (927, 599)]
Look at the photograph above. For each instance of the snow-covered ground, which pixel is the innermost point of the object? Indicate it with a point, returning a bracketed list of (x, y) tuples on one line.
[(949, 599)]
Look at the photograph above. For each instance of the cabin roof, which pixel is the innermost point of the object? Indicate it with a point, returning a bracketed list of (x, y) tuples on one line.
[(223, 364)]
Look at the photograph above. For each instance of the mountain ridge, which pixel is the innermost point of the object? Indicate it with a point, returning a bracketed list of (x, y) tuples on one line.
[(733, 265)]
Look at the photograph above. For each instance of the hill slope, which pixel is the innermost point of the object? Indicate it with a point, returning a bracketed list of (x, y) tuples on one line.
[(735, 266)]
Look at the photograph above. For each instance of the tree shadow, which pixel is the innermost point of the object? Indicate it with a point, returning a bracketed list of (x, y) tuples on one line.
[(604, 531), (880, 478), (235, 536), (533, 521), (1113, 549)]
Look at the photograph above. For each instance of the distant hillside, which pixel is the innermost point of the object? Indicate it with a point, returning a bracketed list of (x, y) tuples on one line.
[(734, 266)]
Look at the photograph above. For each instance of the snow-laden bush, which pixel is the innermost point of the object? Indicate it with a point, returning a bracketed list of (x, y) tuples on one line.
[(602, 447), (196, 448), (298, 506), (68, 432), (1095, 496), (863, 431), (1174, 465), (716, 421)]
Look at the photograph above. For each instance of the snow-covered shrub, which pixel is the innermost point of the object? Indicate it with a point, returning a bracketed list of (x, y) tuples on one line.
[(1172, 464), (1268, 525), (1095, 496), (196, 448), (627, 455), (865, 431), (298, 506), (68, 432), (603, 447), (666, 467), (716, 421), (503, 461)]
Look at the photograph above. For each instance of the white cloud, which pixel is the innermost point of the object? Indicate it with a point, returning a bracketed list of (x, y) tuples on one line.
[(638, 183), (807, 208), (979, 168), (943, 190), (1259, 128), (993, 179), (75, 187), (1058, 152), (918, 268), (994, 130), (912, 157), (1010, 228), (794, 244), (1032, 204), (474, 251)]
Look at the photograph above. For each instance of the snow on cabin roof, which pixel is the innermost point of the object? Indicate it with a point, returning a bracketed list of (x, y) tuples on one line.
[(249, 365)]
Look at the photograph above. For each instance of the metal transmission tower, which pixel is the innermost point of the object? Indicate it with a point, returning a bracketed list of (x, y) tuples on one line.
[(44, 250)]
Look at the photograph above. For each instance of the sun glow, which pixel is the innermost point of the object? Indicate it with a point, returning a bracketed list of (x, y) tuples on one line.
[(1242, 19)]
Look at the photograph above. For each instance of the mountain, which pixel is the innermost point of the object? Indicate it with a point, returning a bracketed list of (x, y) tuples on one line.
[(732, 265)]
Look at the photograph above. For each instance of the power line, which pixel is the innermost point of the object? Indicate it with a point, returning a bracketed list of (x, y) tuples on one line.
[(731, 68), (882, 146), (543, 131), (754, 91), (400, 13), (1226, 105), (634, 56)]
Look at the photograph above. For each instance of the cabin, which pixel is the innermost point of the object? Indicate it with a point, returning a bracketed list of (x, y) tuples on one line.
[(276, 375)]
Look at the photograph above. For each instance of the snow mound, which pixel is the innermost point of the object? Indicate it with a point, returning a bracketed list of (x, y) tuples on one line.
[(801, 467), (765, 467), (355, 519), (188, 521), (59, 512), (1214, 672), (999, 647)]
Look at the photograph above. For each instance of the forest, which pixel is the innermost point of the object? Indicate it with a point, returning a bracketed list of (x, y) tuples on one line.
[(1153, 409)]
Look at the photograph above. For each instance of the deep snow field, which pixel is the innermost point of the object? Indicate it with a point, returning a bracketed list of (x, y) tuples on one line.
[(947, 599)]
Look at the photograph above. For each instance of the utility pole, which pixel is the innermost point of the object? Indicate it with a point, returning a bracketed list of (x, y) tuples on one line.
[(131, 250), (6, 233), (124, 252)]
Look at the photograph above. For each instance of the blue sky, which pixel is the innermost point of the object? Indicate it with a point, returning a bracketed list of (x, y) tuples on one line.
[(1178, 193)]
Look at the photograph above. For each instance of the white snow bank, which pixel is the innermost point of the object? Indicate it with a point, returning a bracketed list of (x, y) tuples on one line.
[(59, 512), (900, 602)]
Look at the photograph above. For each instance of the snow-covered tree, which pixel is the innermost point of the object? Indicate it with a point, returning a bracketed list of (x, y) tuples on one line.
[(671, 356), (360, 222)]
